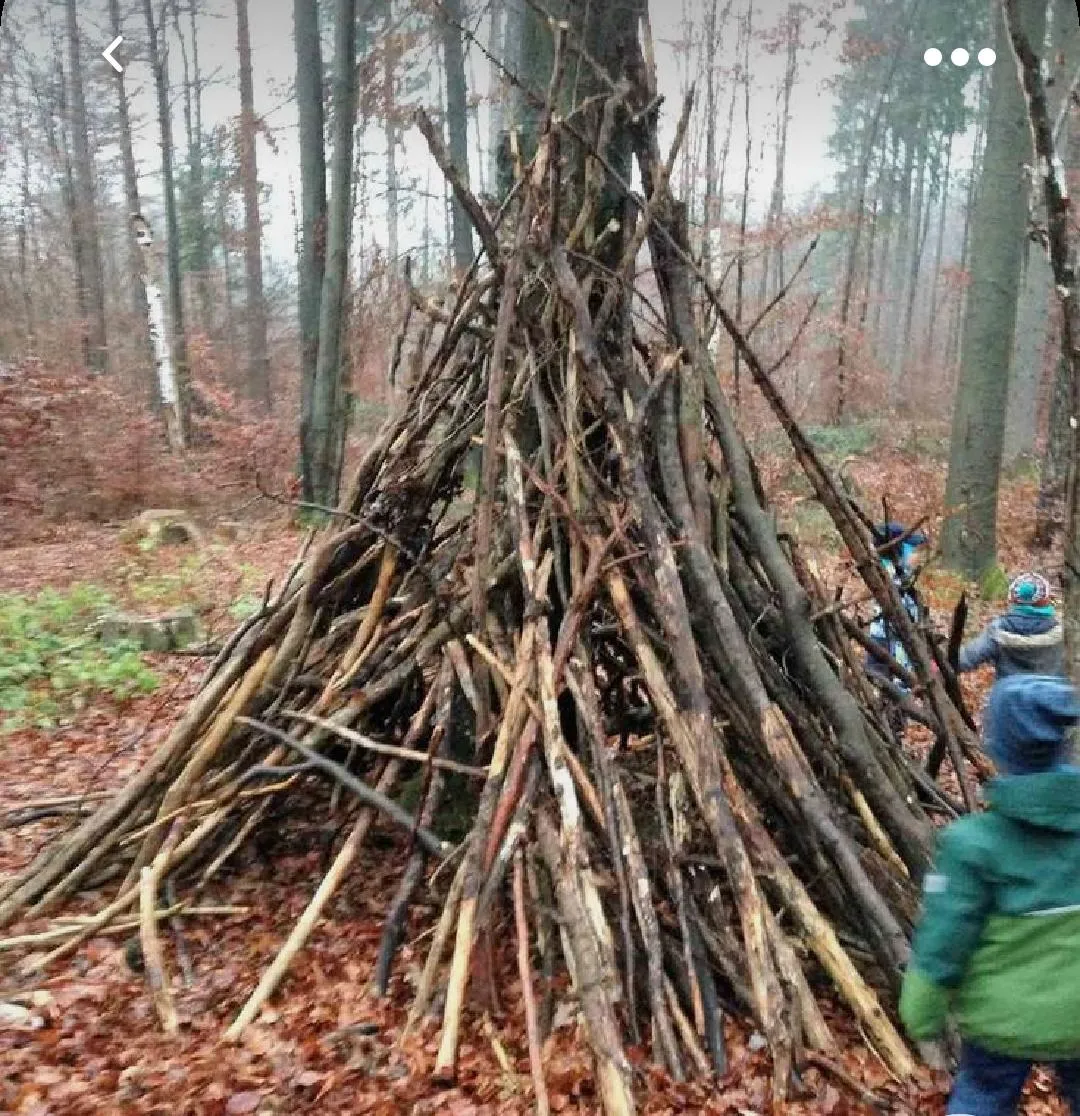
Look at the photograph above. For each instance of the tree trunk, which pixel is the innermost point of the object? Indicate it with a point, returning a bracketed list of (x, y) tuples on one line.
[(255, 301), (131, 194), (330, 402), (905, 238), (167, 387), (92, 295), (866, 154), (1054, 465), (718, 263), (889, 237), (740, 266), (224, 233), (159, 65), (457, 126), (496, 91), (312, 254), (196, 255), (53, 123), (390, 130), (711, 215), (978, 151), (774, 247), (24, 218), (910, 286), (1033, 314), (999, 225), (1062, 252), (935, 284)]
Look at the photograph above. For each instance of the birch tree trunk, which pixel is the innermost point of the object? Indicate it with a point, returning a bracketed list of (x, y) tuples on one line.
[(1062, 253), (178, 336), (1033, 313), (131, 190), (171, 401)]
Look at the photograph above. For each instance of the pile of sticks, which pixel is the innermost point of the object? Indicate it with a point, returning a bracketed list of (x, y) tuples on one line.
[(656, 716)]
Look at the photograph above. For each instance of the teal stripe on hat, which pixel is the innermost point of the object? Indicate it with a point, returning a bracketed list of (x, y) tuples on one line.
[(1034, 610)]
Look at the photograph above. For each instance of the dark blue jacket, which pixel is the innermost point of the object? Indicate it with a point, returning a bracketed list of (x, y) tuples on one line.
[(1017, 643)]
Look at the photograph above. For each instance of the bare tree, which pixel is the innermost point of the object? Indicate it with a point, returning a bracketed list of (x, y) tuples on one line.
[(329, 410), (774, 246), (255, 305), (92, 278), (713, 29), (312, 254), (740, 265), (390, 129), (193, 201), (457, 125)]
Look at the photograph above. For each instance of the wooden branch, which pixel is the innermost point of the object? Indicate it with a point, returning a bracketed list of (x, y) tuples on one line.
[(156, 975), (302, 931), (592, 981), (366, 742), (532, 1030), (370, 796), (465, 196), (644, 908)]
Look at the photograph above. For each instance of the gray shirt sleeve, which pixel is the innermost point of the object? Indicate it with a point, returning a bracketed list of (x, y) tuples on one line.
[(982, 649)]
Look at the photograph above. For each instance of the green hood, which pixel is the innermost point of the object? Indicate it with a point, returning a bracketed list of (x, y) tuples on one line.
[(1047, 800)]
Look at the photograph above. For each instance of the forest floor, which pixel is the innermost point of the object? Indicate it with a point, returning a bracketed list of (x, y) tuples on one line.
[(326, 1044)]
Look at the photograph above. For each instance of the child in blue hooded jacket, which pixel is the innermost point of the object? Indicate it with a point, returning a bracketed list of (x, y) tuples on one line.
[(1026, 640), (998, 945)]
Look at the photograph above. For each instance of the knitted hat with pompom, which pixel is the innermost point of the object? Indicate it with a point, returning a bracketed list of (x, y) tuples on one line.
[(1030, 592)]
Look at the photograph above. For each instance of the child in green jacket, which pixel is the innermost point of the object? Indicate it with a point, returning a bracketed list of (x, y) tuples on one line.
[(999, 941)]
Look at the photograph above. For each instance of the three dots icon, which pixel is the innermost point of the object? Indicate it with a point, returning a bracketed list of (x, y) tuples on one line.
[(960, 57)]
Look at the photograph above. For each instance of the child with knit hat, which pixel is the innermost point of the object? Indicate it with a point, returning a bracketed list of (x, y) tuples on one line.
[(1028, 639), (998, 945)]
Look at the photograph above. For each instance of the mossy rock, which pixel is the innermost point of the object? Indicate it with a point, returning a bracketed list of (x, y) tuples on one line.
[(849, 440), (162, 527), (171, 631)]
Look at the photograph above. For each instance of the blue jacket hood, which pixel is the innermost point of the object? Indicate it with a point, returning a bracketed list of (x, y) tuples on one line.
[(1027, 718), (1020, 623)]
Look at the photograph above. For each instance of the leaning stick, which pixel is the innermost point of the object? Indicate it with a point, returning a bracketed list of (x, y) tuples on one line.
[(59, 933), (532, 1030), (426, 985), (302, 931), (385, 749), (129, 894), (156, 976), (177, 794)]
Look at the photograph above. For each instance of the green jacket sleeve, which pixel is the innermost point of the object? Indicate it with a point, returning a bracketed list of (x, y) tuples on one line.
[(956, 902), (924, 1006)]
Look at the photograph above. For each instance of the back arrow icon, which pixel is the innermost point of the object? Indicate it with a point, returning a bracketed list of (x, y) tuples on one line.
[(108, 51)]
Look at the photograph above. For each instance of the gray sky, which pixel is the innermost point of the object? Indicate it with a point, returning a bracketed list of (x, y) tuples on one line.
[(808, 170)]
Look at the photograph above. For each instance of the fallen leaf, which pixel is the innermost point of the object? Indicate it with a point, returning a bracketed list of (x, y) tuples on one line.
[(240, 1103)]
